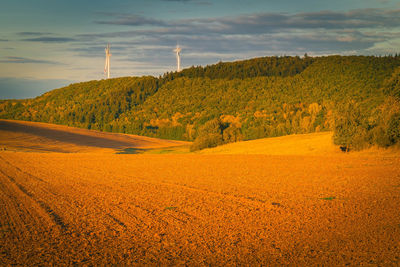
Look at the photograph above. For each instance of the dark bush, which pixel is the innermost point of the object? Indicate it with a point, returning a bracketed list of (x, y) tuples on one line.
[(393, 131), (357, 128), (214, 133)]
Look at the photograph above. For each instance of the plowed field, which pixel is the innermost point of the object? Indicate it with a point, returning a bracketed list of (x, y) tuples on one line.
[(43, 137), (103, 208)]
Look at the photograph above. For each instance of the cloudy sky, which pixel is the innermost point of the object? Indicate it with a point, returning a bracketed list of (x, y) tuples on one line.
[(46, 44)]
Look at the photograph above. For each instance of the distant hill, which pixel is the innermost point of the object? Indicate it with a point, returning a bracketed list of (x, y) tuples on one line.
[(243, 100)]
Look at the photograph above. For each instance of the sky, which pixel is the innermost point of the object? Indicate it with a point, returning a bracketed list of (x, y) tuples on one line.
[(47, 44)]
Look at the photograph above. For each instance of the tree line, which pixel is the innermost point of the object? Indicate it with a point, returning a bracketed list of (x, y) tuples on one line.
[(356, 96)]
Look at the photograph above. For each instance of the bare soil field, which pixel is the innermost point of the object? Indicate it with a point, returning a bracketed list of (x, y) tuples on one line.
[(193, 209), (45, 137), (298, 144)]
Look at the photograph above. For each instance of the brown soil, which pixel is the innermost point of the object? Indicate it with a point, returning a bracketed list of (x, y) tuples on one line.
[(102, 208), (34, 136)]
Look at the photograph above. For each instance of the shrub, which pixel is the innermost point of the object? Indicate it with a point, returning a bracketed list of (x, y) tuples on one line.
[(216, 132), (351, 127), (357, 128)]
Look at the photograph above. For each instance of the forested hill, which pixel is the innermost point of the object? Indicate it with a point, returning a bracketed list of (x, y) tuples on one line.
[(357, 96), (265, 66)]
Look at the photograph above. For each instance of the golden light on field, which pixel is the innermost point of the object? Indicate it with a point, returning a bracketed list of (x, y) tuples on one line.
[(43, 137), (302, 144), (99, 207)]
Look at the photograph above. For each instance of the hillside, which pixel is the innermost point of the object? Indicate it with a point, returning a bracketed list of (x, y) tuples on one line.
[(299, 144), (251, 99), (43, 137)]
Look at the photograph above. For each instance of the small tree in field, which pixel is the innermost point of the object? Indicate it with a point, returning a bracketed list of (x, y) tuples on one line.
[(216, 132)]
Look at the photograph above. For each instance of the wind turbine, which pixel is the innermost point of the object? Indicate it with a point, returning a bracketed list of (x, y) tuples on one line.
[(177, 50), (107, 65)]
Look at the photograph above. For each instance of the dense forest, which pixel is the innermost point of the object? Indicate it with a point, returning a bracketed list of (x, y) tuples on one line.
[(355, 96)]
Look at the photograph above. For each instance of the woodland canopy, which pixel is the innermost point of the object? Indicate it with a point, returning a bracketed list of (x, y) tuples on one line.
[(358, 97)]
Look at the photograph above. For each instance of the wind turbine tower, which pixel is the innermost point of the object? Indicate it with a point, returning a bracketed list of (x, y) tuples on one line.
[(107, 65), (177, 50)]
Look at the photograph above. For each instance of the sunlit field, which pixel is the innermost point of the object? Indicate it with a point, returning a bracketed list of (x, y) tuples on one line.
[(73, 196)]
